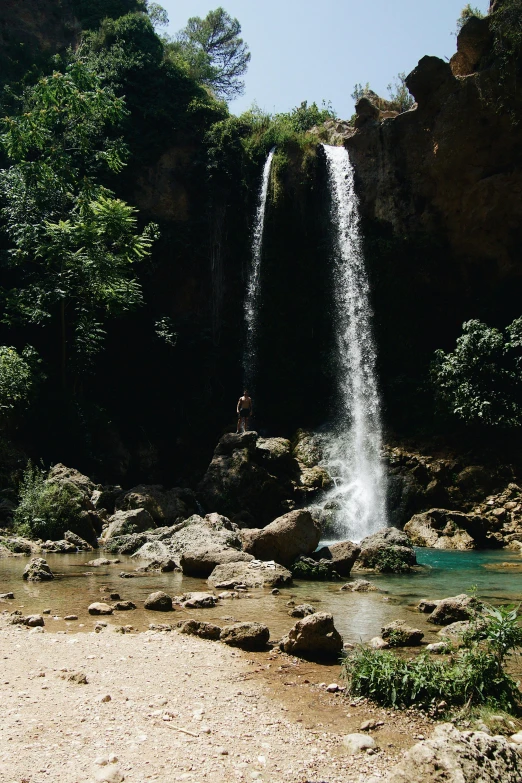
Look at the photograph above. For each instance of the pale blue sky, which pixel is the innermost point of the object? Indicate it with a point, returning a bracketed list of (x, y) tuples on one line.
[(319, 49)]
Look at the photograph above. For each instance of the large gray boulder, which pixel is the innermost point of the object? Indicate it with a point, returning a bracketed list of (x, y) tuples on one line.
[(342, 556), (202, 562), (387, 550), (284, 539), (158, 602), (314, 636), (37, 571), (252, 574), (452, 756), (242, 478), (246, 636), (129, 522), (454, 609), (61, 474), (443, 529)]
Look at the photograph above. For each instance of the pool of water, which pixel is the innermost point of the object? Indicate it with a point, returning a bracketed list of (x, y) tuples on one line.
[(496, 575)]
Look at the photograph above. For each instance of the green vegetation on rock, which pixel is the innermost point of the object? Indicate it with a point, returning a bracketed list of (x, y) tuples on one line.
[(46, 509)]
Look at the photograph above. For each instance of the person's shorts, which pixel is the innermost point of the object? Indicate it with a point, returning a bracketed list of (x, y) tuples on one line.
[(244, 413)]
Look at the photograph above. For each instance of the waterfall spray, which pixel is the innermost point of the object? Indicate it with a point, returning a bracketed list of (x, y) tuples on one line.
[(353, 447), (252, 294)]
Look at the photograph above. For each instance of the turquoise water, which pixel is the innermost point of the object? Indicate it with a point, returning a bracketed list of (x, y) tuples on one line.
[(358, 616)]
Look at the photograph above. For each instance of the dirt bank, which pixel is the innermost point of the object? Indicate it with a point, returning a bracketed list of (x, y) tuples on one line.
[(180, 708)]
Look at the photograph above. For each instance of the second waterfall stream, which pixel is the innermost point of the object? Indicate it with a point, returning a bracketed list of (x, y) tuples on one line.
[(353, 445)]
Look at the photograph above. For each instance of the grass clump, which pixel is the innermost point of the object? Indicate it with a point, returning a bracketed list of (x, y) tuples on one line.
[(472, 676), (46, 510)]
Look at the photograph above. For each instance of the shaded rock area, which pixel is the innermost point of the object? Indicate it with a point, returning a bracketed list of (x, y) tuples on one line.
[(314, 636), (246, 636), (389, 550), (452, 755), (312, 568), (202, 562), (165, 506), (124, 523), (37, 571), (252, 574), (284, 539)]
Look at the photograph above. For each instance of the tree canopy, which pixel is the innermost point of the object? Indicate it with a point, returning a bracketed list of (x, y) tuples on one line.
[(214, 51)]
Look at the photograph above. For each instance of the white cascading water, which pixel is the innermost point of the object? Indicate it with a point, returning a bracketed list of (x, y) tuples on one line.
[(353, 446), (252, 293)]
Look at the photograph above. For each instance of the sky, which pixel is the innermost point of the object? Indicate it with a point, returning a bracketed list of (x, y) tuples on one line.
[(317, 50)]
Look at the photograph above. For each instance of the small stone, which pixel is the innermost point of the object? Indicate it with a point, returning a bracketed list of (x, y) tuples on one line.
[(46, 611), (356, 743), (7, 596), (222, 751), (115, 597), (34, 620), (517, 738), (159, 602), (275, 591), (71, 617), (332, 688), (105, 699), (37, 630)]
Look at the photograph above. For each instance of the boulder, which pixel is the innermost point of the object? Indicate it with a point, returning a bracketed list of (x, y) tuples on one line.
[(388, 551), (34, 621), (313, 636), (366, 112), (202, 562), (242, 479), (342, 556), (18, 545), (78, 542), (58, 547), (101, 561), (246, 636), (165, 506), (360, 586), (37, 571), (158, 602), (443, 529), (302, 610), (199, 628), (455, 631), (164, 565), (450, 610), (123, 606), (252, 574), (473, 42), (126, 545), (154, 551), (308, 449), (61, 474), (398, 634), (198, 600), (98, 608), (284, 539), (276, 453), (315, 479), (457, 757), (128, 522)]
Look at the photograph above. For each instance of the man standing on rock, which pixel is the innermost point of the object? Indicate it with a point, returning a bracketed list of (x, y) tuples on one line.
[(244, 411)]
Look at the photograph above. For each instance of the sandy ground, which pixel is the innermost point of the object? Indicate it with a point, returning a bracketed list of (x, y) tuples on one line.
[(180, 709)]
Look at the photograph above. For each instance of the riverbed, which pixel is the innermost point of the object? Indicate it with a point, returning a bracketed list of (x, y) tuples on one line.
[(496, 576)]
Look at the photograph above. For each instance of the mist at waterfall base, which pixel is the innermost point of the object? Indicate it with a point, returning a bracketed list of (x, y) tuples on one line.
[(356, 506), (254, 279)]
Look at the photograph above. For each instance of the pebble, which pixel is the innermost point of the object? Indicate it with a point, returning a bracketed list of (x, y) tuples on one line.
[(71, 617), (105, 698), (332, 688), (46, 611)]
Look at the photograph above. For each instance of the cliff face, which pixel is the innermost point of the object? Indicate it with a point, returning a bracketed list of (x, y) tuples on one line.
[(440, 194)]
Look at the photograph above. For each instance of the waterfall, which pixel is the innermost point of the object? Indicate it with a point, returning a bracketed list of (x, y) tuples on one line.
[(353, 446), (253, 284)]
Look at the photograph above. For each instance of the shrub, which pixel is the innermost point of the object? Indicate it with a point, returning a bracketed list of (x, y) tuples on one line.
[(467, 12), (389, 561), (16, 379), (472, 676), (480, 381), (46, 510)]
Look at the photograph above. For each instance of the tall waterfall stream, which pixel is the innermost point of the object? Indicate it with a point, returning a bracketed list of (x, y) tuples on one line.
[(353, 445), (252, 293)]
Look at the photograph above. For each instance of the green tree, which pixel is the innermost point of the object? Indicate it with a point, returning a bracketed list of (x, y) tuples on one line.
[(467, 12), (480, 382), (214, 52), (400, 98), (71, 242)]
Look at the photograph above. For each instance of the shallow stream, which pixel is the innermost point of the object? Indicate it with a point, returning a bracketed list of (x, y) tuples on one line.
[(496, 575)]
